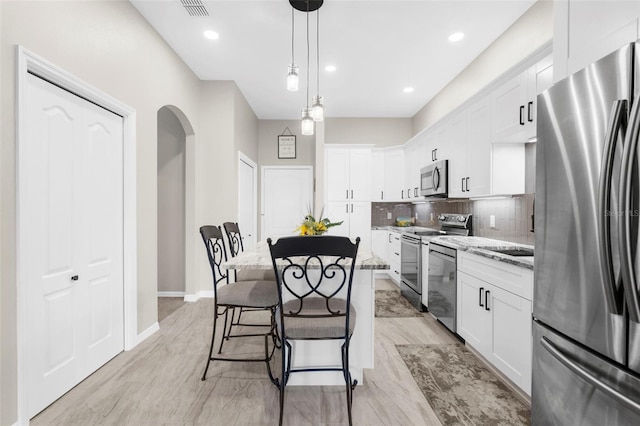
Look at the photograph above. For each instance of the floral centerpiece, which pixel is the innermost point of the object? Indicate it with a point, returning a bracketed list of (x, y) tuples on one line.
[(311, 226)]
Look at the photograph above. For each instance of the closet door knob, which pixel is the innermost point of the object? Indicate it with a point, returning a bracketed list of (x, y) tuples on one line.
[(74, 278)]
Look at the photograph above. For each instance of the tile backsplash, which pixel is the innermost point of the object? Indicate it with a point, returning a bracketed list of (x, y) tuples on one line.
[(513, 216)]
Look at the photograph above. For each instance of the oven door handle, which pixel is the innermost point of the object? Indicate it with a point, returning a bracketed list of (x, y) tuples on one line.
[(442, 256)]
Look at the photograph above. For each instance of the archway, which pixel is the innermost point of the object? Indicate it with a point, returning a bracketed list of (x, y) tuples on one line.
[(175, 208)]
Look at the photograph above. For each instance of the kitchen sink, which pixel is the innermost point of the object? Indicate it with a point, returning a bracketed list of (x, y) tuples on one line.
[(512, 251)]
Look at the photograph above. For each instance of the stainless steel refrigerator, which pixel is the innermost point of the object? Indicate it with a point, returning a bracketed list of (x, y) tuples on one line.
[(586, 328)]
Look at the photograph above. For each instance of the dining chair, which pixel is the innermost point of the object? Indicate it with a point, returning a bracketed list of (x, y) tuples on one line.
[(257, 294), (315, 276), (236, 246)]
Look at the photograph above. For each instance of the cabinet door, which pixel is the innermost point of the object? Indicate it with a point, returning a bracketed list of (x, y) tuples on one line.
[(377, 176), (379, 243), (479, 149), (473, 320), (511, 331), (337, 174), (360, 223), (509, 110), (394, 175), (338, 211), (455, 137), (360, 174)]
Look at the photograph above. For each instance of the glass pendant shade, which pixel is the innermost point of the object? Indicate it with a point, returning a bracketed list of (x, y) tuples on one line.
[(292, 78), (307, 122), (317, 109)]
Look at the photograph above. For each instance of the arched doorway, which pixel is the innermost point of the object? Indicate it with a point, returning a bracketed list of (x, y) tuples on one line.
[(174, 206)]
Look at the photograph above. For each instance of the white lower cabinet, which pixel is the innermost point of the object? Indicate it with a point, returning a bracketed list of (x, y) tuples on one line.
[(394, 256), (494, 314)]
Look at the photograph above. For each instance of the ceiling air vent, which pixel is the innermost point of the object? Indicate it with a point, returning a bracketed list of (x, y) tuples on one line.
[(195, 8)]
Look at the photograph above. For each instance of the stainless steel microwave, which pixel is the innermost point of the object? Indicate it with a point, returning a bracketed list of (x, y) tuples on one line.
[(433, 179)]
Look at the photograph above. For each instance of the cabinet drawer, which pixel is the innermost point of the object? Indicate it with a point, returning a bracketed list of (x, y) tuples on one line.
[(511, 278)]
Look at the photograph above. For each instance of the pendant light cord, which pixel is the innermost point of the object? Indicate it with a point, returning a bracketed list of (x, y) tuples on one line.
[(308, 54), (318, 51), (293, 23)]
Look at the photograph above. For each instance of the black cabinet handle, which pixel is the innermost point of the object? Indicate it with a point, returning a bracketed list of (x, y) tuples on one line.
[(347, 194), (397, 254), (382, 195), (522, 115), (466, 183), (352, 194), (415, 191), (529, 108), (486, 300), (351, 208), (480, 296), (347, 206), (408, 192), (435, 154), (74, 278), (389, 238), (462, 184), (402, 194)]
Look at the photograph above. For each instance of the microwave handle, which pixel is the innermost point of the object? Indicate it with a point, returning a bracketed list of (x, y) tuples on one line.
[(435, 178)]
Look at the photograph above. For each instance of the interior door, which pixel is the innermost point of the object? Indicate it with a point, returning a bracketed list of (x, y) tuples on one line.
[(74, 214), (287, 195), (247, 202)]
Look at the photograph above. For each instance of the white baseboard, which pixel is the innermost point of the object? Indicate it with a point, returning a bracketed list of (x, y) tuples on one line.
[(171, 294), (205, 294), (146, 334)]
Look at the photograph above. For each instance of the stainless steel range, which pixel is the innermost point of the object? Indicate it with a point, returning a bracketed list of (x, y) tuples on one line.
[(413, 241)]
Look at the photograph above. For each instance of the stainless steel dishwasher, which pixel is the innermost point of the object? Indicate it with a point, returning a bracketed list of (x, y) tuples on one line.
[(442, 284)]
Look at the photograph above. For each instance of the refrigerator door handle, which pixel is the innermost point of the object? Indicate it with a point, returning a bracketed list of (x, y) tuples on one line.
[(629, 154), (587, 376), (617, 124)]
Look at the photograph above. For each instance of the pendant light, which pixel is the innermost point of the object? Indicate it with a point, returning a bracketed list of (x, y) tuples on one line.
[(317, 109), (292, 75), (307, 120)]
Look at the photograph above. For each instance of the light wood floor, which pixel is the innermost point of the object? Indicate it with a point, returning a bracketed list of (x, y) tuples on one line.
[(159, 382)]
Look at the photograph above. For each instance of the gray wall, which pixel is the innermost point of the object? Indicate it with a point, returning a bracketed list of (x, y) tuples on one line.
[(171, 202), (381, 132)]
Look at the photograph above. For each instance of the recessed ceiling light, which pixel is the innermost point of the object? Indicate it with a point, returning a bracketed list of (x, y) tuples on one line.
[(407, 89), (211, 35), (330, 68), (456, 37)]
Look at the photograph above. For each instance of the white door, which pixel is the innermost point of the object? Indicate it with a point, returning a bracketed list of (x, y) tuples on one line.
[(247, 201), (74, 212), (287, 194)]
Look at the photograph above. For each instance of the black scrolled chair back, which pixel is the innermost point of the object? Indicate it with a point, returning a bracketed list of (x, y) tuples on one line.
[(216, 252), (323, 264), (233, 236)]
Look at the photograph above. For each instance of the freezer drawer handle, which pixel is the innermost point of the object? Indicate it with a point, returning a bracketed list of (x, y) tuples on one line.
[(587, 376)]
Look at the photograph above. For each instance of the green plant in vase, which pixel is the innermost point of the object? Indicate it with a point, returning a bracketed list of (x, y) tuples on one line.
[(312, 226)]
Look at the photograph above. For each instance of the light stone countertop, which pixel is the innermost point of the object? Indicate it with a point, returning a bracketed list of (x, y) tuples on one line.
[(260, 258), (478, 245)]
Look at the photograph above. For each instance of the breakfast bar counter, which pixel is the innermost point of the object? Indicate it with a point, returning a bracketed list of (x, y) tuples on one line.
[(326, 353)]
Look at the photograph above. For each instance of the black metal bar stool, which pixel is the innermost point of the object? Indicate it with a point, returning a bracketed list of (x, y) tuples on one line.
[(258, 294), (315, 274)]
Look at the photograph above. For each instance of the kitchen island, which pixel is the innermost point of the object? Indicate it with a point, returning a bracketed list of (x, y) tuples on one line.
[(327, 353)]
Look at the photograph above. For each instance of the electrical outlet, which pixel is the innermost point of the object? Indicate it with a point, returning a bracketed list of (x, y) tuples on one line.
[(431, 217), (492, 221), (389, 215), (416, 215)]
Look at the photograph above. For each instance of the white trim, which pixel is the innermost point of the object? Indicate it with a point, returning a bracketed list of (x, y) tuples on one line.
[(245, 159), (147, 333), (171, 293), (204, 294), (26, 62)]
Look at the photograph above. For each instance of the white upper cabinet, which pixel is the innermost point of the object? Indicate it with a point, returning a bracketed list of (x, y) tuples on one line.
[(478, 149), (585, 31), (394, 175), (377, 175), (509, 110), (415, 158), (348, 174)]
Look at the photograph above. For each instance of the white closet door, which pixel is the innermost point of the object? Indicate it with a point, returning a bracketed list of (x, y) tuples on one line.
[(247, 201), (73, 207)]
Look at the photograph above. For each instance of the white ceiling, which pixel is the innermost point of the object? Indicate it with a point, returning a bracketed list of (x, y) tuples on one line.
[(379, 48)]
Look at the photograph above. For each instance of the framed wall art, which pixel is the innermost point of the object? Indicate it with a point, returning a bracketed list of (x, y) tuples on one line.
[(286, 146)]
